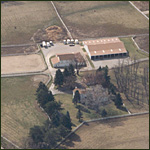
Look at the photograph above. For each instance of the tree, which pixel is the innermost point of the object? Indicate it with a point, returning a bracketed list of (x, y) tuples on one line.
[(118, 100), (42, 86), (59, 79), (66, 73), (44, 96), (79, 115), (99, 69), (66, 121), (36, 134), (69, 82), (76, 97), (104, 113), (71, 70), (55, 118), (63, 131), (50, 107)]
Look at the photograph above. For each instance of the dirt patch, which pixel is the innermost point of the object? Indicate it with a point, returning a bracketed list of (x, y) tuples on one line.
[(20, 64), (18, 49), (120, 133), (52, 33), (142, 5), (143, 42)]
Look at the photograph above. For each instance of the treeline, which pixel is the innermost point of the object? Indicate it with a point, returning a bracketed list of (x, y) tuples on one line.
[(133, 81), (53, 130)]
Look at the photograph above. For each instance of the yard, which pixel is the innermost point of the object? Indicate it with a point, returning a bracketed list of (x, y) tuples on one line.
[(20, 20), (119, 133), (102, 19), (19, 110), (66, 99)]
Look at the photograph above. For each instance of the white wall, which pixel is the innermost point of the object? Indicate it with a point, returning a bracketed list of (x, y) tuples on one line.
[(87, 50)]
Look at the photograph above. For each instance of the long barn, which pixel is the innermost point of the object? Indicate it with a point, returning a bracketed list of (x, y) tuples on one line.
[(105, 48)]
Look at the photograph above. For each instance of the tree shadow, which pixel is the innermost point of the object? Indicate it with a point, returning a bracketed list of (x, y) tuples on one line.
[(69, 142)]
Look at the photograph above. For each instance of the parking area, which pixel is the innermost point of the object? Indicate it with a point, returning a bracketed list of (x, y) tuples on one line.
[(22, 63), (112, 62)]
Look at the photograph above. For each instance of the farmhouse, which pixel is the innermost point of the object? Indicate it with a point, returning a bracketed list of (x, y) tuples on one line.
[(64, 60), (105, 48)]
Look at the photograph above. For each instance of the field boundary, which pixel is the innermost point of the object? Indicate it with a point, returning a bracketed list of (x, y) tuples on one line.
[(20, 54), (138, 46), (138, 10), (94, 120), (61, 20), (10, 142)]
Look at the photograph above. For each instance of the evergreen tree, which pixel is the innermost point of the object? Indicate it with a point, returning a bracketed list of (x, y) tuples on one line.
[(118, 100), (71, 70), (55, 118), (77, 97), (36, 134), (104, 113), (99, 69), (63, 131), (42, 86), (66, 121), (59, 79), (50, 107), (79, 115), (66, 73)]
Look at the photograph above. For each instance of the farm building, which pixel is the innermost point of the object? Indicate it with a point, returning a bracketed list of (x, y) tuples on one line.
[(105, 48), (64, 60)]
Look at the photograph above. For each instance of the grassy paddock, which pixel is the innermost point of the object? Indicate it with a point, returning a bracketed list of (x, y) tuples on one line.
[(20, 20), (19, 111), (94, 19), (132, 49)]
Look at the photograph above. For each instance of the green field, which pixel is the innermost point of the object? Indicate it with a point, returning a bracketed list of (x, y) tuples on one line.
[(19, 111), (66, 99), (132, 49), (20, 20), (94, 19)]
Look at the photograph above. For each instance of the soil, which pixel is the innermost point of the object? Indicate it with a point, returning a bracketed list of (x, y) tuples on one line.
[(52, 33), (142, 5)]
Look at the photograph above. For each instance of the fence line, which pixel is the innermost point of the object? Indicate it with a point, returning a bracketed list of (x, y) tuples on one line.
[(10, 142), (138, 10), (99, 119), (61, 20), (138, 46)]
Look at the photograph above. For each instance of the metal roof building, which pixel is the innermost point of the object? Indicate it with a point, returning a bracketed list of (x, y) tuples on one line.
[(105, 48)]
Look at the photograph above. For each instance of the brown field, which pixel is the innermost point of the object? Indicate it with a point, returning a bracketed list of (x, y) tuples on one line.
[(143, 42), (142, 5), (18, 49), (23, 63), (19, 110), (20, 20), (121, 133), (100, 19)]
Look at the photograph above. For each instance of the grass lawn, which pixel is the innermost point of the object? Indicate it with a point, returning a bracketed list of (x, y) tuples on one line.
[(91, 63), (95, 19), (19, 111), (51, 61), (132, 49), (66, 99)]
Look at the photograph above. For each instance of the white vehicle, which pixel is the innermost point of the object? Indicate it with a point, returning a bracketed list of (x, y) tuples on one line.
[(68, 41), (65, 42), (72, 41), (76, 41), (48, 44), (51, 43), (44, 44)]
